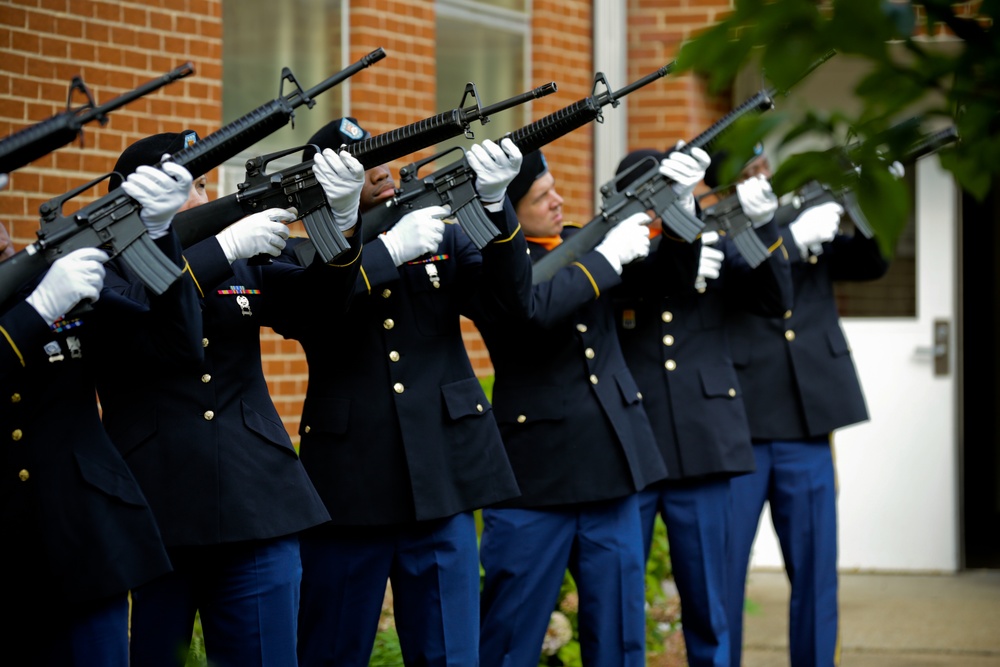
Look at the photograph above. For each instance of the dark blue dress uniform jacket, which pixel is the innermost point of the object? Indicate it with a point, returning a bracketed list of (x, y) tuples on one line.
[(396, 426), (797, 373), (206, 442), (68, 502), (678, 350), (569, 409)]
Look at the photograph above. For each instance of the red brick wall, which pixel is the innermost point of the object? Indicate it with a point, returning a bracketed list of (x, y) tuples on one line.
[(562, 51), (677, 108), (115, 47)]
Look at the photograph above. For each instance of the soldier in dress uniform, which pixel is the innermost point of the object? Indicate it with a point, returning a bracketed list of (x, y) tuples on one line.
[(397, 433), (799, 385), (207, 444), (677, 348), (78, 530), (575, 429)]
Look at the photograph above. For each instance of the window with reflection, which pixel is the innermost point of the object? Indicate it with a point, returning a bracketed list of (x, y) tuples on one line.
[(483, 42), (260, 37)]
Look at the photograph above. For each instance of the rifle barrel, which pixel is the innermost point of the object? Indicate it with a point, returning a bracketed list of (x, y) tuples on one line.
[(349, 71), (473, 113), (94, 113), (635, 85)]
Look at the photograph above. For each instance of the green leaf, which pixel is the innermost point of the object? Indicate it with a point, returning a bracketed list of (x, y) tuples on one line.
[(885, 201)]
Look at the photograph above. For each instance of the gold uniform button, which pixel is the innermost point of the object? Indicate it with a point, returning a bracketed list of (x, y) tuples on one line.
[(15, 398), (732, 393), (23, 475), (667, 316), (17, 434), (386, 293), (788, 314), (582, 328), (589, 353), (521, 419), (388, 324), (479, 407), (789, 335), (204, 342), (668, 340), (638, 395), (394, 356), (209, 415), (670, 365), (398, 388), (593, 379), (206, 378), (307, 429), (813, 259)]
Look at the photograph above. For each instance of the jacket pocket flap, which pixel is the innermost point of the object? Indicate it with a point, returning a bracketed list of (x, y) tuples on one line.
[(718, 381), (628, 388), (273, 432), (465, 398), (112, 480)]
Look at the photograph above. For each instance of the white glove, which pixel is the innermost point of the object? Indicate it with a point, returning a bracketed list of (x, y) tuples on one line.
[(626, 242), (259, 233), (710, 260), (71, 279), (815, 226), (160, 192), (342, 177), (3, 181), (686, 171), (495, 167), (897, 169), (757, 200), (417, 233)]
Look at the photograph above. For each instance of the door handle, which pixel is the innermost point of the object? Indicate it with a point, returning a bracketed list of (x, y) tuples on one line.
[(938, 352)]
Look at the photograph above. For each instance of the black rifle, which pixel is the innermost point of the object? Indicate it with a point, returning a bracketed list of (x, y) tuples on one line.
[(40, 139), (113, 222), (296, 186), (645, 189), (649, 191), (815, 193), (454, 185)]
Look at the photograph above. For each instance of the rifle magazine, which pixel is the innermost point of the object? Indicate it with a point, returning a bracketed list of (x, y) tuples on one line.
[(328, 240), (155, 269), (681, 222), (751, 248)]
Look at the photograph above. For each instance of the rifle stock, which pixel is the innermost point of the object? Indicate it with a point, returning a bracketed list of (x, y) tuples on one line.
[(40, 139), (113, 221)]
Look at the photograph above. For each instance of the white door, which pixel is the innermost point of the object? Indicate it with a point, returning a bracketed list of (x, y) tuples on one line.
[(898, 473)]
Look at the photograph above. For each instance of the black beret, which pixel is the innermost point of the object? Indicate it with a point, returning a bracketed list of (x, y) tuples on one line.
[(148, 151), (632, 159), (335, 134), (533, 167)]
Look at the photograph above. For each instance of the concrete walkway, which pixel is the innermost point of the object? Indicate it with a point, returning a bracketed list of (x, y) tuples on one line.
[(887, 620)]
